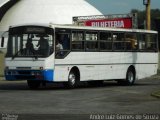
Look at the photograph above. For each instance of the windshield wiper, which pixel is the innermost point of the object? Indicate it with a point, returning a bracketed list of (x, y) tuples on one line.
[(21, 51), (36, 57)]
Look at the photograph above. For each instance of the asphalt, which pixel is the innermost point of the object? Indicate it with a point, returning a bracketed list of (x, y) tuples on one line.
[(156, 93), (57, 103)]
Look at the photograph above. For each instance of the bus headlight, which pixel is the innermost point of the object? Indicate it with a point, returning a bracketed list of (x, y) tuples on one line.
[(11, 72)]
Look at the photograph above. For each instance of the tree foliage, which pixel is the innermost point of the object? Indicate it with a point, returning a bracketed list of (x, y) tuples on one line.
[(141, 16)]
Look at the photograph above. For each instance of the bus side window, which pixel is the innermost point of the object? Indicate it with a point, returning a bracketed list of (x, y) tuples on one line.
[(62, 40), (151, 41), (77, 40), (62, 43), (105, 41), (148, 42), (119, 42), (66, 41), (91, 41), (131, 41)]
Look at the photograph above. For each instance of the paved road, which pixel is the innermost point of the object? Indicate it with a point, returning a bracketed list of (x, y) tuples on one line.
[(17, 98)]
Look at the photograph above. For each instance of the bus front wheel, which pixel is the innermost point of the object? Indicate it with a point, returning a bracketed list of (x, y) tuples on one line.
[(32, 84), (72, 80)]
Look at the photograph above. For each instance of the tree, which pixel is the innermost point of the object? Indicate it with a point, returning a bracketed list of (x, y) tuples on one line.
[(141, 16)]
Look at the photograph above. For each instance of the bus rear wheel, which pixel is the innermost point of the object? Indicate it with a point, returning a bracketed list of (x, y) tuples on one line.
[(32, 84), (130, 77)]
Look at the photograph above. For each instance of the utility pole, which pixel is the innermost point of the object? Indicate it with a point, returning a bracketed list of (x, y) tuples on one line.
[(148, 13)]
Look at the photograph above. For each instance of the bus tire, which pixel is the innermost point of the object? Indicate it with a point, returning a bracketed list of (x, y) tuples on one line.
[(32, 84), (130, 77), (73, 79)]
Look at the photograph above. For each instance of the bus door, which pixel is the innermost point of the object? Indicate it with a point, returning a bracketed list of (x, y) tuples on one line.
[(62, 49)]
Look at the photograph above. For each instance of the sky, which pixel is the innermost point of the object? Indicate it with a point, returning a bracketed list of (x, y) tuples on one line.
[(119, 6)]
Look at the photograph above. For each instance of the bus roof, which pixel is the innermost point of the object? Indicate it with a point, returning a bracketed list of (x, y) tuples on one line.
[(72, 26), (104, 28)]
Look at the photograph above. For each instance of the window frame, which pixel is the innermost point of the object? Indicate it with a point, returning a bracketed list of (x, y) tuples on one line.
[(105, 41), (83, 41), (147, 50), (97, 41)]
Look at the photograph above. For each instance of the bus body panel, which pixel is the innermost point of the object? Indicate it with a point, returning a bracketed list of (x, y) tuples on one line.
[(106, 65), (146, 70), (30, 68), (92, 66)]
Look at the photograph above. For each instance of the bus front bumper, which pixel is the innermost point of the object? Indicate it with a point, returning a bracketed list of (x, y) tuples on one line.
[(46, 75)]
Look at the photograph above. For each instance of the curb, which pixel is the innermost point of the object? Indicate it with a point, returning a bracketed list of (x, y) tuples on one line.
[(156, 94)]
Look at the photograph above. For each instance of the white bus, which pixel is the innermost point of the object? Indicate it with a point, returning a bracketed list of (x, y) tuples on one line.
[(72, 54)]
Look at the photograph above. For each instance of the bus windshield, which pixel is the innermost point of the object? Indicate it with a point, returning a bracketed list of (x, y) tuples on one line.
[(30, 41)]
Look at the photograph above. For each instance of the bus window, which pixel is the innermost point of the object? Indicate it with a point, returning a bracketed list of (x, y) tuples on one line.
[(77, 41), (91, 41), (30, 45), (30, 41), (63, 41), (105, 41), (62, 44), (131, 41), (119, 41), (2, 42), (3, 39), (148, 42)]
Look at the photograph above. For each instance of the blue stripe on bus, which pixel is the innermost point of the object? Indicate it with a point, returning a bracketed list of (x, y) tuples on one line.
[(10, 77), (46, 75)]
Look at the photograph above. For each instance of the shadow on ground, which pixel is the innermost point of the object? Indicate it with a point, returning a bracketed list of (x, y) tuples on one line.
[(22, 85)]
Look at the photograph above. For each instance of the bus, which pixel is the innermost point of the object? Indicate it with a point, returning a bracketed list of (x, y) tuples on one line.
[(72, 54)]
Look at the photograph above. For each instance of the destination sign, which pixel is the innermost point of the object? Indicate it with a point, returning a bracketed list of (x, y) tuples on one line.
[(35, 30)]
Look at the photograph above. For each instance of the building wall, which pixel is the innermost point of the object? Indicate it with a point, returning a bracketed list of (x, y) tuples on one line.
[(46, 11)]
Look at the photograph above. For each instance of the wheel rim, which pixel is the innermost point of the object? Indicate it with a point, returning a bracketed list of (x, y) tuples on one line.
[(130, 76), (72, 79)]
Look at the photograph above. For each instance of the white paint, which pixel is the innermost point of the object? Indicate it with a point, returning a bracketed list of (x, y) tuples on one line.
[(112, 65), (101, 66)]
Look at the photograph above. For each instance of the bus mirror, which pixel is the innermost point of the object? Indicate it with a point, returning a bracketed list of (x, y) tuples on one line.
[(2, 42)]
